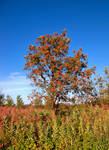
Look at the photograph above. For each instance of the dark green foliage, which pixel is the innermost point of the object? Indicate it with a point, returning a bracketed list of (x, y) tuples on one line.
[(2, 99), (9, 101), (20, 103)]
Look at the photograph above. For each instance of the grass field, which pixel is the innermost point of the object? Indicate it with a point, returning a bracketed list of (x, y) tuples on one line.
[(82, 127)]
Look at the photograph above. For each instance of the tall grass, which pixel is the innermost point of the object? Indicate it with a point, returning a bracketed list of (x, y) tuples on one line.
[(83, 127)]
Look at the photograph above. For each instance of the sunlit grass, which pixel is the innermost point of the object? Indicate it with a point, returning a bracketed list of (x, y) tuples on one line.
[(79, 127)]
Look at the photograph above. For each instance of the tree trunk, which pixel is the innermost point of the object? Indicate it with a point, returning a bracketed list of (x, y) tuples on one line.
[(55, 108)]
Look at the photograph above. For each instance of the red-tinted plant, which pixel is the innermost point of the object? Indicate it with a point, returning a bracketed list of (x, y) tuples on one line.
[(57, 75)]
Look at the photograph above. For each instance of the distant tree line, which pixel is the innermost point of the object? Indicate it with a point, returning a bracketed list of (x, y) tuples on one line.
[(8, 101)]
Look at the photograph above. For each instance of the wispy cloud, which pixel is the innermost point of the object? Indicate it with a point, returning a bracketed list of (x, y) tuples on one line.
[(16, 84), (12, 74), (16, 90), (14, 79)]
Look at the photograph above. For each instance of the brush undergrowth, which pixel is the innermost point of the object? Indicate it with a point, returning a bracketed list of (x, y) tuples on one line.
[(82, 127)]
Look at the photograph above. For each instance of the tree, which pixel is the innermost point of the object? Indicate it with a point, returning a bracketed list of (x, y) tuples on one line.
[(2, 99), (9, 101), (57, 76), (102, 83), (20, 103)]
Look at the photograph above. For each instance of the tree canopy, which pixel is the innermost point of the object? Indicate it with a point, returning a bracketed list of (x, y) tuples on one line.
[(57, 76)]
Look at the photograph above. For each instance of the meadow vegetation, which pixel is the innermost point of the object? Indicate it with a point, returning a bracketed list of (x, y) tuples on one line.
[(75, 128), (54, 120)]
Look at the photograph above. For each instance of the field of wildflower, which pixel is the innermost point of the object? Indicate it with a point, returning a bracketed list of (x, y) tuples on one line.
[(80, 127)]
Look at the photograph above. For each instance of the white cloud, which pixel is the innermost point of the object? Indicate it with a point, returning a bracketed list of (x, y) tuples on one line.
[(14, 79), (15, 90), (16, 84), (14, 74)]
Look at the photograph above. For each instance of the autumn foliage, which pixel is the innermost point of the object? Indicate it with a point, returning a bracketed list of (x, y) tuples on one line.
[(57, 76)]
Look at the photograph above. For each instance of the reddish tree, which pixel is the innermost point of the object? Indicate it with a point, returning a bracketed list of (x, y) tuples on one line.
[(55, 74)]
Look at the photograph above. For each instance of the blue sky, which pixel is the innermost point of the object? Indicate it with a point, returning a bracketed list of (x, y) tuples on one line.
[(22, 21)]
